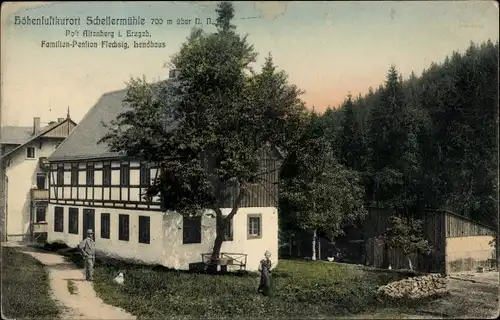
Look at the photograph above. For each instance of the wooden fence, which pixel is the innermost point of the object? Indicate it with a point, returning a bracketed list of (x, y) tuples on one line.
[(437, 226), (459, 226), (300, 246), (362, 245)]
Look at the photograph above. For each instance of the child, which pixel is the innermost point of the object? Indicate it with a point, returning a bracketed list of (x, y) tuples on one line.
[(265, 274)]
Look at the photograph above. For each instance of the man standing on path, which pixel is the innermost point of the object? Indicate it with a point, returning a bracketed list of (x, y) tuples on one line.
[(87, 247)]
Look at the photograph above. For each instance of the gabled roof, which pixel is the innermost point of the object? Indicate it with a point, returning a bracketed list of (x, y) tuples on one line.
[(82, 144), (82, 141), (15, 135), (31, 138)]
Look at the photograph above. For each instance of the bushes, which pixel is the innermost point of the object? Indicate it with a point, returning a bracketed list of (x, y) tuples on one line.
[(302, 289), (55, 246)]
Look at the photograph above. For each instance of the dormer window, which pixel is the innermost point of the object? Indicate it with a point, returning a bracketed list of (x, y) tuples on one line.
[(30, 153)]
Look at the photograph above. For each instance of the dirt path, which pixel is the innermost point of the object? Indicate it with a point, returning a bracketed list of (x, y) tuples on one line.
[(472, 299), (82, 305), (472, 296), (467, 300)]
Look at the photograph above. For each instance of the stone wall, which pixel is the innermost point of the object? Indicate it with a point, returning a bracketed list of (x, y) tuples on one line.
[(415, 287)]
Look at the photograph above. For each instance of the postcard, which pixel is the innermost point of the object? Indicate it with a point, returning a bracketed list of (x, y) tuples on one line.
[(249, 159)]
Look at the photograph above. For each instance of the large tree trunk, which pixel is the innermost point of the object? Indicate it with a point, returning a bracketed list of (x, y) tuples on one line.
[(219, 239), (314, 239), (220, 228)]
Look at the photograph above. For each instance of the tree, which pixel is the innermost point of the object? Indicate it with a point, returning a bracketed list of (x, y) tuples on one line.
[(318, 193), (406, 234), (460, 96), (331, 121), (352, 143), (431, 139), (394, 146), (205, 130)]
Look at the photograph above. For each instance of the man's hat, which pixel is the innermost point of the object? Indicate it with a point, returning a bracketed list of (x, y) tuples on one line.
[(90, 231)]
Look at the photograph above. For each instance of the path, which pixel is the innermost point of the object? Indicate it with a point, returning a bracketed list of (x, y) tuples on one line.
[(472, 296), (83, 305)]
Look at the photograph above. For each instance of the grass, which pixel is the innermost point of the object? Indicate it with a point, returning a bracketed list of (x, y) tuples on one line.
[(72, 287), (302, 289), (25, 287)]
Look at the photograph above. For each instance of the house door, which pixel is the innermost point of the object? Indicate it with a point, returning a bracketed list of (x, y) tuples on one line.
[(88, 221), (41, 181)]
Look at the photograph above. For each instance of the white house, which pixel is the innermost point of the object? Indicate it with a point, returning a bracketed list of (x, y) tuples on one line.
[(23, 181), (93, 188)]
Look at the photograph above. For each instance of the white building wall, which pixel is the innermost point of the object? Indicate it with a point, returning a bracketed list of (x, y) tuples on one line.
[(112, 247), (166, 246), (22, 176), (180, 255)]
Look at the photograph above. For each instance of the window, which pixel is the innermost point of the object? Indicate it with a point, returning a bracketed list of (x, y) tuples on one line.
[(74, 174), (123, 227), (73, 221), (60, 175), (254, 226), (40, 180), (145, 175), (228, 230), (40, 213), (105, 226), (144, 236), (30, 153), (90, 174), (124, 174), (58, 219), (191, 230), (106, 174)]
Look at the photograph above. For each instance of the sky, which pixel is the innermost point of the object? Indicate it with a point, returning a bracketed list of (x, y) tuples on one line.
[(328, 49)]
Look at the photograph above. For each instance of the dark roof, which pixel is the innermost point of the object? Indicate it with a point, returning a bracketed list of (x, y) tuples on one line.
[(35, 136), (82, 141), (15, 135), (82, 144)]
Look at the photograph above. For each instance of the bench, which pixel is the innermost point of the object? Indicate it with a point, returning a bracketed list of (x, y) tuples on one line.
[(225, 259)]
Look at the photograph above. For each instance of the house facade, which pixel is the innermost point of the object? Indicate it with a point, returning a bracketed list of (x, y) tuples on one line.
[(93, 188), (24, 179)]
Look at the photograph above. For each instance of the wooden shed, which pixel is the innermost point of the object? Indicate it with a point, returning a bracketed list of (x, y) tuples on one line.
[(460, 244)]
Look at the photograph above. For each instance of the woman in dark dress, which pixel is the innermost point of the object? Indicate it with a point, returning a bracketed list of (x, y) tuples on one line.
[(265, 274)]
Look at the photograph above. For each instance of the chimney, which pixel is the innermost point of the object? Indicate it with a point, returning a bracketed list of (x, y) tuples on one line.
[(36, 124), (60, 119), (174, 73)]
